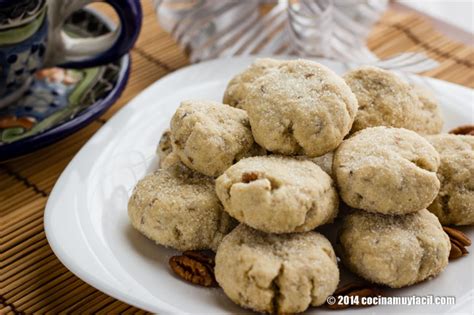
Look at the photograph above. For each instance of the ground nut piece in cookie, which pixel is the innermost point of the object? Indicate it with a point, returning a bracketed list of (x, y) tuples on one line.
[(387, 100), (455, 201), (387, 170), (178, 208), (237, 88), (300, 107), (272, 273), (396, 251), (209, 137), (278, 194)]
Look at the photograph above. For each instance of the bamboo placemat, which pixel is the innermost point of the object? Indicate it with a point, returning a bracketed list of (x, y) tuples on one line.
[(32, 278)]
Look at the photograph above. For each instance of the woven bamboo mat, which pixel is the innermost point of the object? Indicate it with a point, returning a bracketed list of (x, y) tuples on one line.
[(32, 278)]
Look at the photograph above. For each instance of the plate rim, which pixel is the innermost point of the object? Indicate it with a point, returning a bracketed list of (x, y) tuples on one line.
[(54, 242)]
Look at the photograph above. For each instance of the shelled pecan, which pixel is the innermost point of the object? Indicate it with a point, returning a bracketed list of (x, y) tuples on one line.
[(195, 267), (459, 242), (463, 130)]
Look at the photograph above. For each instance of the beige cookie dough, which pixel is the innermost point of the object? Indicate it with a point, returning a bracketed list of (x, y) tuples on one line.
[(272, 273), (430, 119), (237, 88), (455, 201), (164, 148), (387, 170), (387, 100), (299, 107), (396, 251), (323, 161), (209, 137), (177, 207), (278, 194)]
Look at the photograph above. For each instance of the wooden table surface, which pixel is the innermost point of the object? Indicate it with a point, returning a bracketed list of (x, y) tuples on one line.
[(32, 278)]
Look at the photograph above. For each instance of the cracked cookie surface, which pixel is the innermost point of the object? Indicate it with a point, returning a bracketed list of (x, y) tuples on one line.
[(272, 273), (278, 194), (177, 207), (387, 100), (396, 251), (209, 137), (387, 170), (455, 201), (299, 107)]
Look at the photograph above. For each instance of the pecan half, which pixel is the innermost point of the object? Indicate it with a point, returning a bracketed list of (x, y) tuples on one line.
[(459, 242), (354, 289), (195, 267), (463, 130), (204, 257)]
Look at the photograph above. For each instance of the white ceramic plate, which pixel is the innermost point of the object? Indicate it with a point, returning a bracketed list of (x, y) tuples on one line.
[(86, 218)]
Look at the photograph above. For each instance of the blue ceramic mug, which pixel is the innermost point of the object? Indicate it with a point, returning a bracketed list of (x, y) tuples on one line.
[(31, 38)]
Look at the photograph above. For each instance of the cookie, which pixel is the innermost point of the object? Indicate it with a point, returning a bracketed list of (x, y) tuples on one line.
[(396, 251), (237, 87), (323, 161), (430, 119), (278, 194), (387, 170), (209, 137), (178, 208), (272, 273), (164, 147), (299, 107), (387, 100), (455, 201)]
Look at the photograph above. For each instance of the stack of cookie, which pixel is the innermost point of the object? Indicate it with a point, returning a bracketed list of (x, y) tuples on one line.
[(252, 179), (390, 174)]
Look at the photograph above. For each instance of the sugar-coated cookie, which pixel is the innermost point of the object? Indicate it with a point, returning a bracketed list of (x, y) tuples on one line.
[(299, 107), (396, 251), (387, 100), (178, 208), (209, 137), (455, 201), (278, 194), (387, 170), (272, 273)]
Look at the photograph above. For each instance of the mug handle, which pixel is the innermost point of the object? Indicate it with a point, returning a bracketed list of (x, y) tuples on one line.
[(65, 51)]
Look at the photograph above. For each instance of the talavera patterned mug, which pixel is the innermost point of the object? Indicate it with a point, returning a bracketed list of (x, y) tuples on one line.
[(31, 38)]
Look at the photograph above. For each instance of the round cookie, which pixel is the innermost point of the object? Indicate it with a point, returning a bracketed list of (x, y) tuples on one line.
[(387, 170), (396, 251), (277, 194), (387, 100), (272, 273), (455, 201), (237, 88), (209, 137), (299, 107), (178, 208)]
